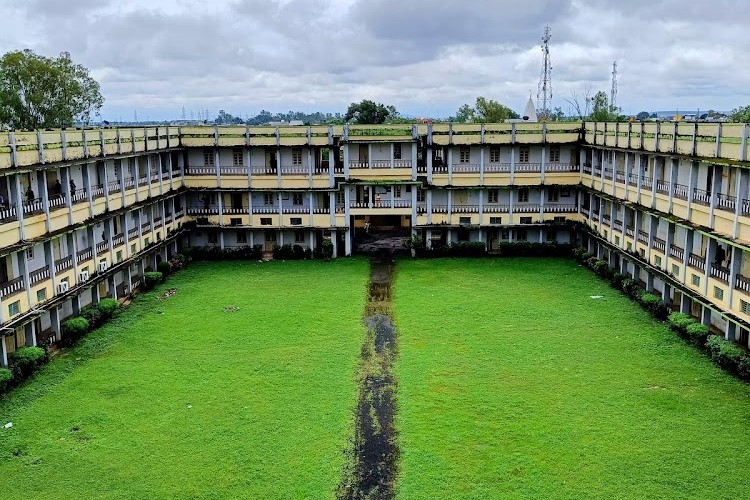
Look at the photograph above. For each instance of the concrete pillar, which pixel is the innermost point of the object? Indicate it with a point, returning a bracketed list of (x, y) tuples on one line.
[(348, 242), (685, 303), (666, 293), (730, 332), (4, 351), (54, 316), (706, 316)]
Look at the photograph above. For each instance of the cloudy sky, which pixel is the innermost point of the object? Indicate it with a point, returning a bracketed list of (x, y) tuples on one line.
[(426, 57)]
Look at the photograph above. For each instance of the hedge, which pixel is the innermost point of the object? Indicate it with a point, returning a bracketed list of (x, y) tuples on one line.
[(73, 329), (6, 379), (26, 360), (164, 267), (108, 307), (729, 356), (216, 253), (151, 279), (291, 252), (697, 333)]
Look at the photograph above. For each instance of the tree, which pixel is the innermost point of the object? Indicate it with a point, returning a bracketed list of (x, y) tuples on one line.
[(41, 92), (484, 111), (369, 112), (578, 109), (643, 115), (225, 118), (557, 114), (741, 114), (601, 110)]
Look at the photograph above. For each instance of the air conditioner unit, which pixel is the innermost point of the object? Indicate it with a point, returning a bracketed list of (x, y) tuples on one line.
[(102, 265), (62, 287), (84, 275)]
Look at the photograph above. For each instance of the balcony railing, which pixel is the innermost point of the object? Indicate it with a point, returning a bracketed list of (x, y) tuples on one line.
[(102, 247), (659, 244), (128, 183), (726, 202), (620, 177), (240, 170), (465, 209), (720, 273), (524, 167), (496, 167), (560, 208), (608, 174), (496, 208), (696, 262), (11, 287), (34, 206), (294, 170), (587, 168), (63, 264), (39, 275), (205, 170), (97, 191), (701, 197), (662, 187), (79, 195), (84, 255), (526, 208), (439, 209), (676, 252), (633, 180), (132, 233), (118, 239), (680, 191), (742, 283), (618, 225), (629, 231), (642, 236), (561, 167), (465, 168), (203, 210), (646, 183), (114, 187)]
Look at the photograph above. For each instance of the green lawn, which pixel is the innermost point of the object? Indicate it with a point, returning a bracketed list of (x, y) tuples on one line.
[(179, 399), (514, 383)]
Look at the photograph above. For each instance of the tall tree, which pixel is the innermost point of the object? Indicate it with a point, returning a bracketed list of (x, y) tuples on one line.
[(484, 111), (601, 111), (741, 114), (40, 92), (369, 112)]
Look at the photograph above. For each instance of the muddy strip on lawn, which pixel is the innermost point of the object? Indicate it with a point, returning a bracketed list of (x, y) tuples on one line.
[(371, 466)]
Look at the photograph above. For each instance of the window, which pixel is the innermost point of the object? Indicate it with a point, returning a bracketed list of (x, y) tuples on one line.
[(241, 236), (496, 220), (420, 195), (630, 247), (696, 280), (504, 234), (525, 220), (397, 151), (464, 155), (132, 248), (718, 293), (299, 236), (523, 195), (551, 235), (270, 235), (745, 307), (523, 156), (340, 197), (559, 220), (554, 154), (268, 198), (521, 235), (675, 269), (657, 261), (494, 155), (295, 221), (147, 241), (617, 238), (14, 308), (464, 220), (213, 237), (30, 253), (118, 256), (265, 221), (235, 221), (208, 158), (553, 195), (237, 159), (41, 295), (296, 156), (493, 195), (297, 199)]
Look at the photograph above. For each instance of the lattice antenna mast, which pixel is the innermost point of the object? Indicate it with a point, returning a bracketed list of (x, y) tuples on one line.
[(613, 92), (544, 94)]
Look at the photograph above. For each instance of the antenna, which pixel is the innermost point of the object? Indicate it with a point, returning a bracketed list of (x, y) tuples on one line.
[(183, 113), (544, 94), (613, 92)]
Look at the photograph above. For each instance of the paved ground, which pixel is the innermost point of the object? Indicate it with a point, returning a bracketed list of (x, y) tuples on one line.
[(375, 243)]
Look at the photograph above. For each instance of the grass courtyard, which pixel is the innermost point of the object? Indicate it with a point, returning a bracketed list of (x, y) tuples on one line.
[(179, 399), (511, 383), (514, 383)]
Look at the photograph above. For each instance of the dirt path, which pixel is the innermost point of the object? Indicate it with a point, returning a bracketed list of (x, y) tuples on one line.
[(372, 465)]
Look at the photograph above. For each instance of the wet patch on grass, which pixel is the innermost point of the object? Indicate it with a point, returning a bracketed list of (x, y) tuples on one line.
[(372, 463)]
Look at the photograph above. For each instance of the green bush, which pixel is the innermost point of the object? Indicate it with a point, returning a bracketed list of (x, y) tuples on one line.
[(179, 261), (617, 279), (73, 329), (578, 253), (591, 261), (93, 315), (632, 288), (151, 279), (327, 248), (6, 379), (108, 307), (586, 256), (27, 360), (680, 321), (697, 333), (600, 267), (164, 267), (729, 356)]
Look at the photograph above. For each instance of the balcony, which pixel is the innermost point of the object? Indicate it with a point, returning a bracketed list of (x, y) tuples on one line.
[(659, 245), (84, 255), (36, 277), (114, 187), (97, 191), (496, 208), (680, 191), (726, 202), (561, 167), (742, 283), (608, 174), (560, 208), (33, 207), (629, 231), (496, 167), (11, 287), (696, 262), (720, 273), (294, 170), (380, 164), (102, 247), (618, 225), (701, 197), (466, 168), (63, 264), (633, 180), (642, 236), (676, 252), (525, 167), (526, 208), (662, 187)]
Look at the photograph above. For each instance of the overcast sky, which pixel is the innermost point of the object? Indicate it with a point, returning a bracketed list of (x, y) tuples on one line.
[(426, 57)]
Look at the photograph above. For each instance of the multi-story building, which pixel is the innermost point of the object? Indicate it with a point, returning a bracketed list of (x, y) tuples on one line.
[(83, 213)]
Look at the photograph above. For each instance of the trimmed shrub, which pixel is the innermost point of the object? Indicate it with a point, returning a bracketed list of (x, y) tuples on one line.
[(179, 261), (93, 315), (600, 267), (632, 288), (164, 267), (108, 308), (6, 379), (680, 321), (586, 256), (729, 356), (697, 333), (578, 253), (151, 279), (617, 279), (653, 304), (26, 360), (298, 252), (327, 249), (73, 329)]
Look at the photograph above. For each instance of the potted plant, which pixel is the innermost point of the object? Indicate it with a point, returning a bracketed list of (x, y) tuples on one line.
[(414, 242)]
